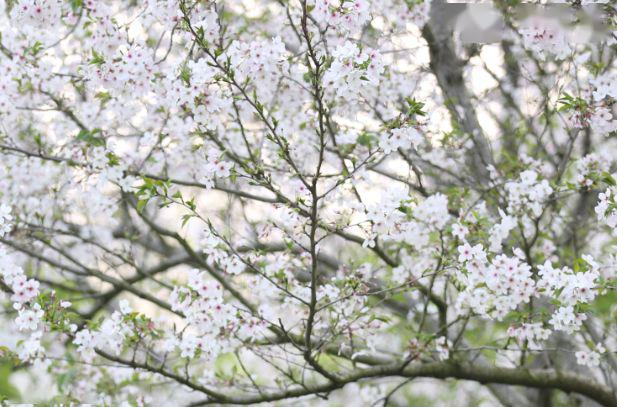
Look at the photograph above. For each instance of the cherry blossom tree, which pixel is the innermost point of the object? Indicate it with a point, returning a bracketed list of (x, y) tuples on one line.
[(326, 202)]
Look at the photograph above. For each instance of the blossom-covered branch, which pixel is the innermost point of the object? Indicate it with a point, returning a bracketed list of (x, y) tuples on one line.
[(244, 202)]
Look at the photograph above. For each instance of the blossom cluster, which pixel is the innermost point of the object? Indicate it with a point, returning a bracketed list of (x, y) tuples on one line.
[(493, 287), (24, 292), (403, 137), (260, 62), (38, 18), (211, 322), (590, 358), (545, 36), (532, 334), (391, 223), (528, 193), (111, 335), (348, 15), (353, 69), (606, 210)]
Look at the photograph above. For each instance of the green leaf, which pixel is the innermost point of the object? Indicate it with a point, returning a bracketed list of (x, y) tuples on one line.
[(76, 5), (104, 97), (186, 218), (97, 59), (608, 179), (185, 75), (90, 138), (112, 159), (35, 48), (415, 108), (365, 139), (141, 204), (233, 176), (7, 390), (191, 204)]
